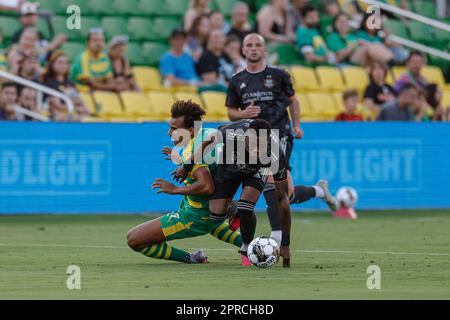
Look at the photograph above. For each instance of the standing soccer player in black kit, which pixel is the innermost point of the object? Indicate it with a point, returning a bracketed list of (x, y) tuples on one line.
[(265, 92)]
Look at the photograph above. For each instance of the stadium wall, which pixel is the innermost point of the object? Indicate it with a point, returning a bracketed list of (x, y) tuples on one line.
[(108, 168)]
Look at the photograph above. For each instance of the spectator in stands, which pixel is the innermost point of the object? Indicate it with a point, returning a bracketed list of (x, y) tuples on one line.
[(310, 42), (433, 96), (196, 8), (343, 42), (330, 7), (295, 13), (233, 49), (214, 66), (57, 78), (378, 91), (351, 100), (8, 102), (10, 6), (274, 22), (28, 100), (27, 46), (29, 18), (176, 66), (29, 67), (217, 22), (93, 68), (3, 59), (198, 36), (404, 107), (414, 64), (120, 65), (240, 25)]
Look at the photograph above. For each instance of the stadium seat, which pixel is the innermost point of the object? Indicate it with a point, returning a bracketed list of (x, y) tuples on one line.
[(434, 75), (86, 24), (140, 28), (338, 100), (134, 53), (122, 120), (397, 72), (425, 8), (225, 6), (152, 8), (43, 27), (52, 5), (147, 78), (446, 99), (128, 7), (9, 25), (214, 103), (287, 54), (73, 49), (396, 27), (163, 27), (108, 103), (161, 103), (60, 26), (100, 7), (420, 32), (114, 26), (330, 78), (176, 7), (136, 104), (64, 4), (355, 77), (305, 107), (323, 106), (152, 52), (305, 79), (92, 120), (189, 96), (88, 102)]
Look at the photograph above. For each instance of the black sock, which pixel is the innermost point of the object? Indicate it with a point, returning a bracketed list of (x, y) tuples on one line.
[(302, 194), (246, 211), (270, 195)]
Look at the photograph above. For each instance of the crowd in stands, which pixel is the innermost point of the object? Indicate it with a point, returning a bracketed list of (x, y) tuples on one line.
[(205, 51)]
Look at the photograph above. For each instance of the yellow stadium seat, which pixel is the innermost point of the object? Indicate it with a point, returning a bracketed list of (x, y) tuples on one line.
[(108, 103), (92, 120), (214, 103), (390, 78), (189, 96), (148, 78), (186, 88), (355, 77), (323, 105), (434, 74), (161, 103), (136, 104), (446, 99), (88, 102), (305, 107), (397, 72), (330, 78), (305, 79), (338, 100), (123, 120)]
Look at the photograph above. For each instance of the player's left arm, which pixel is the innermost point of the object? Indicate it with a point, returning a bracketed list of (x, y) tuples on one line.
[(203, 184)]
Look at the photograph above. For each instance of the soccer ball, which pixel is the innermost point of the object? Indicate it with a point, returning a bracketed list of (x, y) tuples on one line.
[(263, 252), (347, 197)]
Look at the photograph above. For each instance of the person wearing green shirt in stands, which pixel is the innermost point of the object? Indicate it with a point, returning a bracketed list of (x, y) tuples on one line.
[(3, 59), (310, 42), (93, 67)]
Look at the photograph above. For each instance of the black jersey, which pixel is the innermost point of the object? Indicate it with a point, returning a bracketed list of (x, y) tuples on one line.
[(236, 162), (270, 89)]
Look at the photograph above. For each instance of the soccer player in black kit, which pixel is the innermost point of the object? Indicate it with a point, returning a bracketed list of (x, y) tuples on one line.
[(265, 92)]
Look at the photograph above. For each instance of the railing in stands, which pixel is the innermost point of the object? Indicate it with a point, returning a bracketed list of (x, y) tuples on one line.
[(40, 88)]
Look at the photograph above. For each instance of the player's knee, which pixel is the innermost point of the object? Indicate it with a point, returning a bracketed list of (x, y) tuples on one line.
[(132, 240)]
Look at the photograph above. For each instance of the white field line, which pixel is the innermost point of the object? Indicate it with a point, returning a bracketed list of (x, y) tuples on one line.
[(223, 249)]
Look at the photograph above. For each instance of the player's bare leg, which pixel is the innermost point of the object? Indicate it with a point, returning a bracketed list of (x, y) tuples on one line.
[(282, 189)]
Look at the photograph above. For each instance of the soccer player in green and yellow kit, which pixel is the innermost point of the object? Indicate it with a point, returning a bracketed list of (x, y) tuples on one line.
[(192, 219)]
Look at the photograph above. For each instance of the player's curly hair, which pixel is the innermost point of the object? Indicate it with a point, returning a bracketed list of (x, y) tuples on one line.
[(190, 110)]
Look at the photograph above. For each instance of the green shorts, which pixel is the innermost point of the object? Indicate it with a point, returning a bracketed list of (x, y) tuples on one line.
[(186, 224)]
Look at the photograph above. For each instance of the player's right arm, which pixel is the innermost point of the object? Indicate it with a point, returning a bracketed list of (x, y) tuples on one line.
[(203, 184)]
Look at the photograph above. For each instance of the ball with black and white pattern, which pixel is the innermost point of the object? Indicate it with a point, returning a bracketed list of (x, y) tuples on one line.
[(263, 252)]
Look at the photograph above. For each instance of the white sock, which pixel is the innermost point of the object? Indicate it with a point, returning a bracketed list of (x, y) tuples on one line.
[(244, 247), (319, 192), (276, 235)]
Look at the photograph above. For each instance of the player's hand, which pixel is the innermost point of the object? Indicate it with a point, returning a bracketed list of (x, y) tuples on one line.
[(171, 155), (180, 174), (285, 253), (251, 111), (298, 132), (164, 186)]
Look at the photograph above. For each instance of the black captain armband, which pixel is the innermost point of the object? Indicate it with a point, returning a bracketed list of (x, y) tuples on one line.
[(285, 240)]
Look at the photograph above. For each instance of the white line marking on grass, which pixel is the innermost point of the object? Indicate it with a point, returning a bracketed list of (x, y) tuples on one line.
[(224, 249)]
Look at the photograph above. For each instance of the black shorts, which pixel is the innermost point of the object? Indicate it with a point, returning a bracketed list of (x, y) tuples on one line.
[(227, 188)]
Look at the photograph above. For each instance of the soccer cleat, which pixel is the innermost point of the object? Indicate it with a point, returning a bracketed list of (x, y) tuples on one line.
[(199, 257), (328, 197), (245, 261)]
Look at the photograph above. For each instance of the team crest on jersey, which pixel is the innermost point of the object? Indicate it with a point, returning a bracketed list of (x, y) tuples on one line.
[(268, 82)]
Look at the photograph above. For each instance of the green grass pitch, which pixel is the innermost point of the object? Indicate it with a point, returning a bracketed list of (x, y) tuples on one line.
[(330, 260)]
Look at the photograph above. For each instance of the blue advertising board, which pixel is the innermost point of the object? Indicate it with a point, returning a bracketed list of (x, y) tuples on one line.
[(109, 168)]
